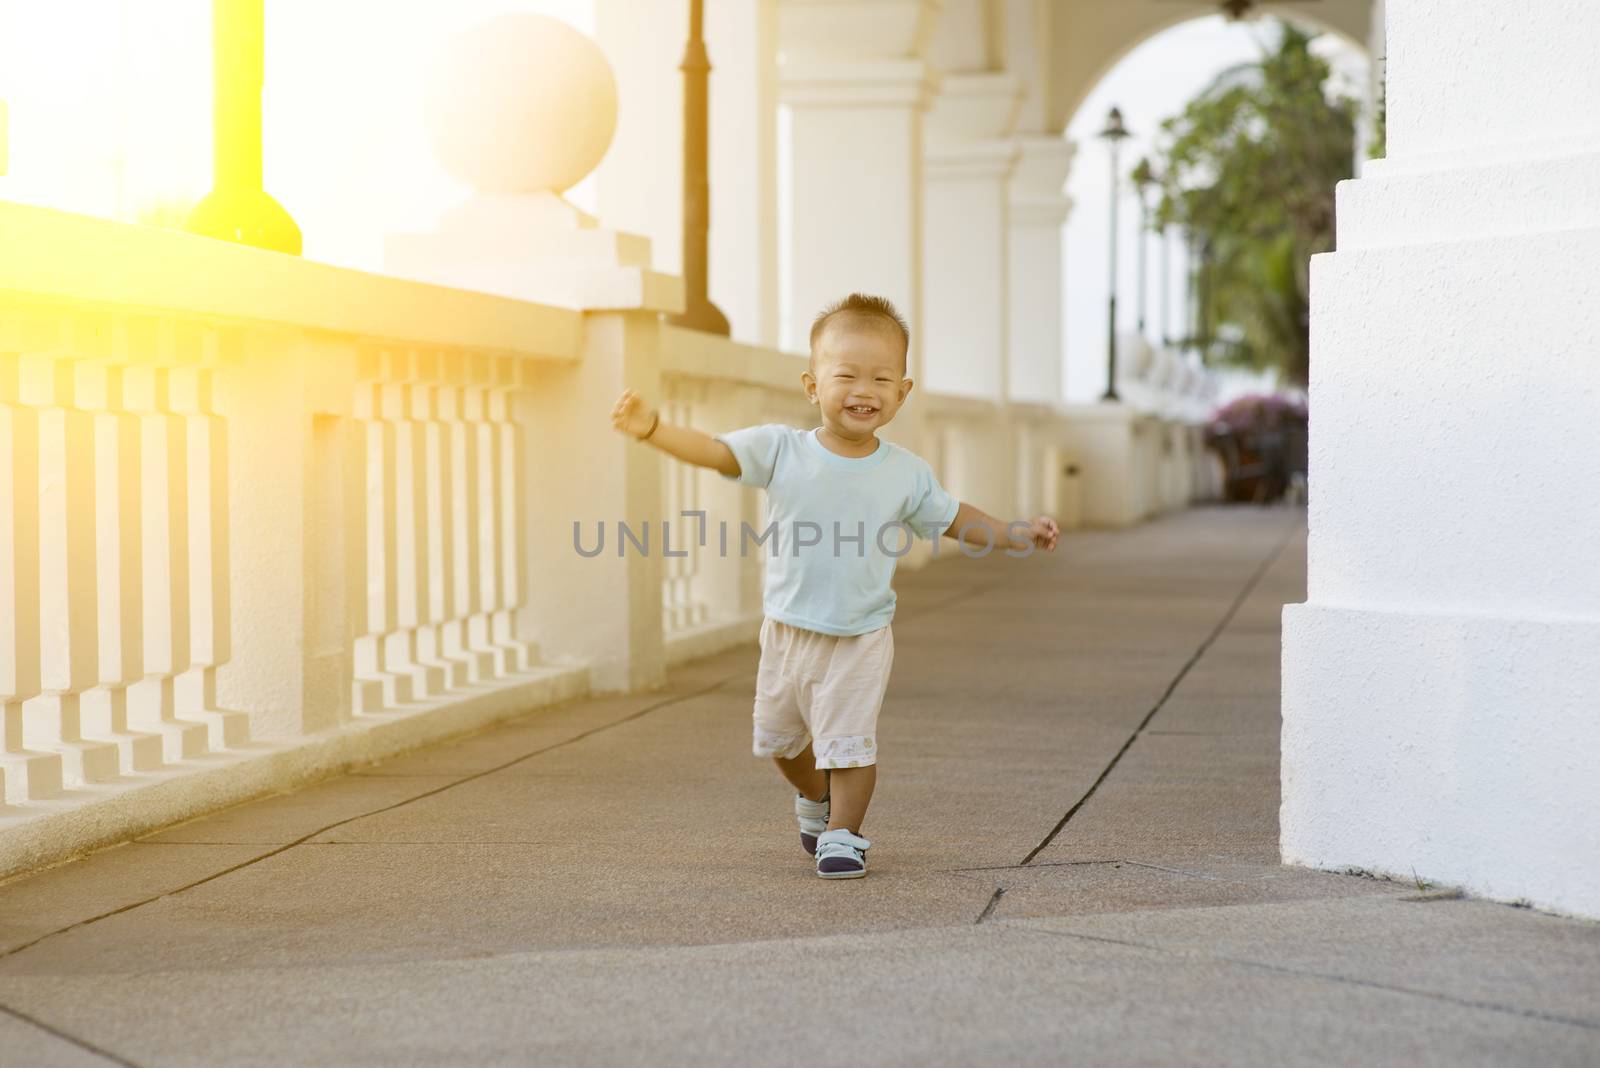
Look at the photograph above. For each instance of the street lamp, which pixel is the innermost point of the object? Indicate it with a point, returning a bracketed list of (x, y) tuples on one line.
[(698, 311), (1166, 286), (238, 207), (1144, 176), (1114, 132), (1191, 309)]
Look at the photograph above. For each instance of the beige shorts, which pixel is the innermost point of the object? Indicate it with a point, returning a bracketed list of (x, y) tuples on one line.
[(822, 688)]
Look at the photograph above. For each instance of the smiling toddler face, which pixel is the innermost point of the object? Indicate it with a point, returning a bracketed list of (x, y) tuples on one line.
[(857, 376)]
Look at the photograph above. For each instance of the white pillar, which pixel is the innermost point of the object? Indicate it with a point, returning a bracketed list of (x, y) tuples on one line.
[(1038, 211), (853, 88), (965, 226), (1441, 683), (743, 41)]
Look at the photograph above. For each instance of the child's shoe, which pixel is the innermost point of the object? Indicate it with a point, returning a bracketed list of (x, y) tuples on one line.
[(813, 819), (841, 855)]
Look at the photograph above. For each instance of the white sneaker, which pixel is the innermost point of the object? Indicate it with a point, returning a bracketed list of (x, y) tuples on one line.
[(813, 819), (841, 855)]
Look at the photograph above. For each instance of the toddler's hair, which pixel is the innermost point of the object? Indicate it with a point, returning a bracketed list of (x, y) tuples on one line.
[(863, 306)]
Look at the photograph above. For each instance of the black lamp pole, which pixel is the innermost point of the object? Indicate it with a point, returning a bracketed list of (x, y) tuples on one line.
[(1166, 289), (1144, 176), (1114, 132), (699, 313)]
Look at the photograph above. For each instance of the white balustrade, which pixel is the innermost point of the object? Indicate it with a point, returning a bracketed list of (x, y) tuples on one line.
[(250, 503), (236, 516)]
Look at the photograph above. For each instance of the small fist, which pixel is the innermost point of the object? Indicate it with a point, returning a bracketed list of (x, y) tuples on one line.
[(1044, 532), (631, 415)]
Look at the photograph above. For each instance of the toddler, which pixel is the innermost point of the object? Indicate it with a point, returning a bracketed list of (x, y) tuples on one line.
[(840, 502)]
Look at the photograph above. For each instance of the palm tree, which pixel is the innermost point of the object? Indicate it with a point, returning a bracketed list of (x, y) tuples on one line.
[(1249, 168)]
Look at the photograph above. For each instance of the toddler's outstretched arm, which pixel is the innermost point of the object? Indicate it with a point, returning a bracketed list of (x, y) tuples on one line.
[(633, 417), (972, 526)]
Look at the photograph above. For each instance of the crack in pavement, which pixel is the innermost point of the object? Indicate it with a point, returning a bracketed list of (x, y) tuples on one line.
[(994, 903), (1238, 602)]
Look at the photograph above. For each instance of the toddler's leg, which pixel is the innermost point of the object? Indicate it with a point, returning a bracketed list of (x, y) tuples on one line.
[(852, 792), (802, 773)]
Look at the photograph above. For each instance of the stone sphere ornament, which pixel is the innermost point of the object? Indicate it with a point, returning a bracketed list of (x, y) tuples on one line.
[(521, 103)]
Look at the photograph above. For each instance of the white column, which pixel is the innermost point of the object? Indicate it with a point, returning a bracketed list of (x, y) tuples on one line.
[(853, 88), (743, 41), (966, 232), (1441, 683), (1038, 211)]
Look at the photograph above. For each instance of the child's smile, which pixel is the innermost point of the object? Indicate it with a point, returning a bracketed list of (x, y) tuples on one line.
[(858, 383)]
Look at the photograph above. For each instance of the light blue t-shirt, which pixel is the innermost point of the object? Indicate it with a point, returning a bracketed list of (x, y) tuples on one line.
[(840, 524)]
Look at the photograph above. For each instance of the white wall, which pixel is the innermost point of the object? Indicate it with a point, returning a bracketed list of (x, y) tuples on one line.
[(1442, 685)]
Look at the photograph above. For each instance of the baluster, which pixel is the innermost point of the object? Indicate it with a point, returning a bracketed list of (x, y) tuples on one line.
[(207, 495), (447, 445), (516, 655), (26, 775), (427, 680), (671, 498), (695, 562), (461, 503), (68, 627), (480, 629), (119, 573), (416, 523), (377, 689), (163, 454), (472, 574), (444, 403)]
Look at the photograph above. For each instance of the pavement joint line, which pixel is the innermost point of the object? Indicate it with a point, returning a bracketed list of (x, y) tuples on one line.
[(1216, 632), (1331, 977), (640, 713), (994, 903), (1046, 864), (1208, 877), (72, 1040)]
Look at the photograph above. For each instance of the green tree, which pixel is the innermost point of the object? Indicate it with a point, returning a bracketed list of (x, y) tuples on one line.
[(1249, 169)]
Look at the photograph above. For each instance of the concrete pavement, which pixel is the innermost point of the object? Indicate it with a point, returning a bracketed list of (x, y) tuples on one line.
[(1074, 860)]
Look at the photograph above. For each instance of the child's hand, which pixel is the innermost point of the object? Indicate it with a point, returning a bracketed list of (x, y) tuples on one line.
[(1044, 532), (631, 415)]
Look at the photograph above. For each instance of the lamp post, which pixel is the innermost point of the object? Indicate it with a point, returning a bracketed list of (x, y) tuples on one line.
[(1166, 287), (1191, 310), (238, 207), (1144, 176), (1114, 132), (698, 312)]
